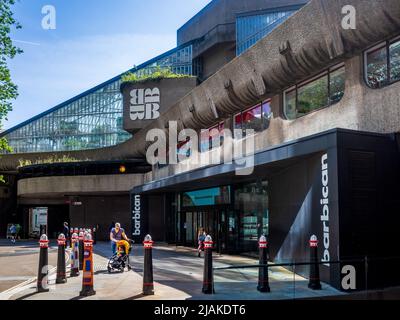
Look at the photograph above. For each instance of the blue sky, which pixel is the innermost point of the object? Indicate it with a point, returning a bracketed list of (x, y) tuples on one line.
[(94, 40)]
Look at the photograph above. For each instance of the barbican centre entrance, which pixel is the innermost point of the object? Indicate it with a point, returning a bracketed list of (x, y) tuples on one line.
[(235, 216)]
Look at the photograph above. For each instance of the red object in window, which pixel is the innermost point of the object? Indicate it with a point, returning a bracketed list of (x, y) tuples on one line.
[(251, 114), (238, 121)]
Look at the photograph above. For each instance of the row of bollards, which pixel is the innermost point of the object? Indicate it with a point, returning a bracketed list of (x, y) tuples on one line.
[(78, 231), (263, 279), (82, 251)]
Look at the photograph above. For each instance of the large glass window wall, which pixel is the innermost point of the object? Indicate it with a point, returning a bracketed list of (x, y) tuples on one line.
[(94, 120)]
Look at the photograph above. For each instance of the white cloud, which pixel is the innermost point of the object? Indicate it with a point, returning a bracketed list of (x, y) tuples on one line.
[(56, 71)]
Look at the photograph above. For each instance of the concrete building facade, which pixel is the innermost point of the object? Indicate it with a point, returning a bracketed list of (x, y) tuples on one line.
[(322, 101)]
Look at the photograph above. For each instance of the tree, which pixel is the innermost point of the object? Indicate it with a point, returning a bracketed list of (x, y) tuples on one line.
[(8, 90)]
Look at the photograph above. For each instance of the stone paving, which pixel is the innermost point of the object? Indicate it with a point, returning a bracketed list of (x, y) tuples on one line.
[(178, 275)]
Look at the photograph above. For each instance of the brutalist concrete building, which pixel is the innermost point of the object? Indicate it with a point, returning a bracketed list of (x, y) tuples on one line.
[(316, 82)]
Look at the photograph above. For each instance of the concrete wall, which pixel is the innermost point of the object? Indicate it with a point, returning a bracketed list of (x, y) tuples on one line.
[(216, 57), (59, 186), (102, 210)]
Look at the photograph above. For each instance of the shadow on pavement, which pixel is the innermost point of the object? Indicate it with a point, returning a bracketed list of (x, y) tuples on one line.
[(138, 296), (27, 296)]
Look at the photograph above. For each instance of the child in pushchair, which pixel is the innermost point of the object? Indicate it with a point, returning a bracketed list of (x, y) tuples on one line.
[(120, 259)]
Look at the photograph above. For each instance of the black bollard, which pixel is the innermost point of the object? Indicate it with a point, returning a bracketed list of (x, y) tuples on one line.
[(42, 280), (314, 267), (148, 285), (81, 249), (61, 272), (208, 276), (75, 256), (87, 280), (263, 280)]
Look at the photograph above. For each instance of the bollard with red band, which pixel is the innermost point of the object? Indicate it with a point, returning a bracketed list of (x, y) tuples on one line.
[(87, 280), (148, 284), (263, 279), (75, 256), (42, 279), (81, 249), (61, 272), (208, 276), (314, 283)]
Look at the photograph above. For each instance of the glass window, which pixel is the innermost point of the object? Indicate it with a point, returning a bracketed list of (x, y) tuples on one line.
[(251, 204), (337, 84), (382, 64), (256, 118), (394, 51), (207, 197), (377, 68), (212, 137), (312, 96), (317, 93), (251, 28), (252, 119), (290, 104)]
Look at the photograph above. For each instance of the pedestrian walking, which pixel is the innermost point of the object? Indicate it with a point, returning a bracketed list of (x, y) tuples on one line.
[(13, 232), (201, 238)]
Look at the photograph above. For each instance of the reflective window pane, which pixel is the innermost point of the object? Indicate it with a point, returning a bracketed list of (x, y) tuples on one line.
[(250, 29), (337, 84), (252, 119), (394, 51), (377, 68), (312, 96), (290, 104)]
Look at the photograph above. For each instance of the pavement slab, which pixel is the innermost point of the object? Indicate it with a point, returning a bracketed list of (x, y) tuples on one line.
[(178, 275)]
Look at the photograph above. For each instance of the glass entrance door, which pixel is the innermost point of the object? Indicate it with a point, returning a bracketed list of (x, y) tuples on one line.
[(213, 221)]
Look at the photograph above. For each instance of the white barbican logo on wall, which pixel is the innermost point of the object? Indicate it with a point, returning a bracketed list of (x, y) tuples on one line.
[(145, 104), (325, 209), (137, 210)]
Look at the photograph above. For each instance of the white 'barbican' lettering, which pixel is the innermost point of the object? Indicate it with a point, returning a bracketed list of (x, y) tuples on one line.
[(325, 209), (136, 216)]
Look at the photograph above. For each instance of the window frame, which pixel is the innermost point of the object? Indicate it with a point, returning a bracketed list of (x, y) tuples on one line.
[(383, 44), (326, 72)]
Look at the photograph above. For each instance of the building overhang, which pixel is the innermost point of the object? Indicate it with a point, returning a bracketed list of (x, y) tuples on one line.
[(266, 163)]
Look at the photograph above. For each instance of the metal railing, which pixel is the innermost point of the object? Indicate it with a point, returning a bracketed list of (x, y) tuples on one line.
[(362, 263)]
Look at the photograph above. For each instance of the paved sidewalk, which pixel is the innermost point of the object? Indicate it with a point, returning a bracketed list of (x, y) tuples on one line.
[(178, 275)]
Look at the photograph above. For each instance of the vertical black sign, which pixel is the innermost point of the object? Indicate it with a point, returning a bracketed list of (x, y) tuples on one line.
[(139, 215)]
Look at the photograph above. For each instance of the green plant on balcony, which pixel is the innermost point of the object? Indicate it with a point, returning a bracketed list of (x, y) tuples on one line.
[(157, 73)]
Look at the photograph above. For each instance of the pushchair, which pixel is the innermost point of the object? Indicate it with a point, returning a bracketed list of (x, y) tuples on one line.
[(120, 260)]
